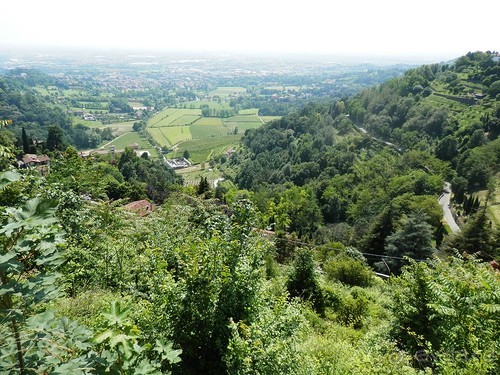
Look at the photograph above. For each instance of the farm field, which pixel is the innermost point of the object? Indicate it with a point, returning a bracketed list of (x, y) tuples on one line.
[(88, 110), (205, 131), (117, 128), (211, 104), (201, 150), (120, 128), (209, 121), (244, 118), (192, 175), (227, 91), (249, 111), (242, 123), (75, 120), (169, 136), (269, 118), (203, 137), (135, 104), (128, 139), (174, 117)]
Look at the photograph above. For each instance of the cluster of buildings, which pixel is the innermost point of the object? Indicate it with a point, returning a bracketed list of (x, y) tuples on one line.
[(40, 162)]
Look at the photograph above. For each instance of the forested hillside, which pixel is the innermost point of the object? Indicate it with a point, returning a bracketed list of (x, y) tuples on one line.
[(272, 271), (352, 171), (40, 117)]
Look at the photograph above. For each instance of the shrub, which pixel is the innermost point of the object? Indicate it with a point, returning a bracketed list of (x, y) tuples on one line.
[(349, 271)]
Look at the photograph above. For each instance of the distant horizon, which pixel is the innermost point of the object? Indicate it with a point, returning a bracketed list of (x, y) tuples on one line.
[(148, 52), (422, 31)]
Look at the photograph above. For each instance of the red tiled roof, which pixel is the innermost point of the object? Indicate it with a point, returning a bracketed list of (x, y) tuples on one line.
[(32, 158)]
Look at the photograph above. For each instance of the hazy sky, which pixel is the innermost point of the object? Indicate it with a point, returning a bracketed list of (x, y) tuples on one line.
[(441, 28)]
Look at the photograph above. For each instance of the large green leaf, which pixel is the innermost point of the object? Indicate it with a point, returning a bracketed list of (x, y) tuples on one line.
[(117, 315), (167, 351), (9, 262), (103, 336), (8, 177)]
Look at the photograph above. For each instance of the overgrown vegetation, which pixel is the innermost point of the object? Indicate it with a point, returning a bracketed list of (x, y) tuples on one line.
[(277, 278)]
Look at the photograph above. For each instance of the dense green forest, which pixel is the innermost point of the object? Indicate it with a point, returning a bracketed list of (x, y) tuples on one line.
[(272, 271)]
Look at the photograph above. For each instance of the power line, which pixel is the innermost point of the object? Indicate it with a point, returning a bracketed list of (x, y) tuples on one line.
[(365, 254)]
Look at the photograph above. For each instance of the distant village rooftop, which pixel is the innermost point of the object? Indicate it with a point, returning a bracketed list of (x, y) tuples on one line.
[(33, 159)]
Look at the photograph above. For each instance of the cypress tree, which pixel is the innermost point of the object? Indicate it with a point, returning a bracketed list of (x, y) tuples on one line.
[(26, 145), (476, 204), (381, 227), (302, 280), (203, 186), (467, 204), (476, 236)]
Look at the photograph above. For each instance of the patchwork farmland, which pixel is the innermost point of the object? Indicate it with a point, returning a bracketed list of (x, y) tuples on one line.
[(186, 129)]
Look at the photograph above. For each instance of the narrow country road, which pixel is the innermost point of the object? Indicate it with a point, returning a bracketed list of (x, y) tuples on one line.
[(444, 201)]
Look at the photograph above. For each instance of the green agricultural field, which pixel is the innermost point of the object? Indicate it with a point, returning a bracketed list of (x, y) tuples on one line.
[(209, 121), (161, 116), (227, 91), (185, 120), (205, 136), (250, 111), (117, 128), (120, 128), (192, 175), (174, 117), (243, 118), (73, 93), (205, 131), (439, 101), (201, 150), (127, 139), (158, 136), (95, 105), (42, 90), (211, 104), (243, 126), (275, 88), (269, 118), (243, 123), (169, 136), (91, 124)]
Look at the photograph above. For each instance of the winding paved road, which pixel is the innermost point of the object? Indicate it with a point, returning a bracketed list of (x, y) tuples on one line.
[(444, 201)]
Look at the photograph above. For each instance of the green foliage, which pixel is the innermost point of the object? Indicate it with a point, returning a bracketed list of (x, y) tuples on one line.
[(297, 211), (200, 281), (217, 276), (476, 237), (270, 345), (413, 240), (203, 186), (494, 89), (49, 345), (55, 138), (119, 344), (302, 281), (450, 309), (156, 178), (29, 238), (348, 271)]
